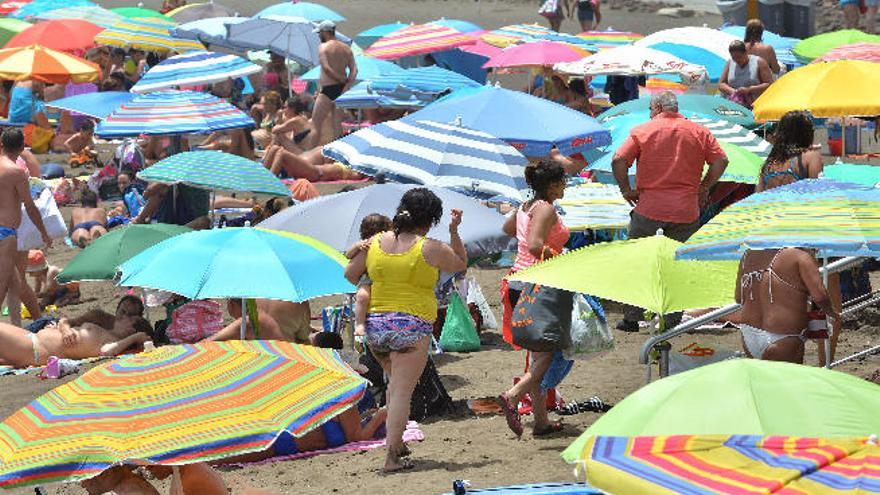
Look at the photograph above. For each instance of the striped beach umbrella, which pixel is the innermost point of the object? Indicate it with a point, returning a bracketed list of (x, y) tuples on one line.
[(215, 170), (835, 218), (435, 154), (143, 14), (194, 68), (98, 104), (209, 31), (711, 40), (145, 35), (592, 205), (366, 38), (869, 52), (173, 112), (175, 405), (313, 12), (37, 7), (43, 64), (431, 79), (418, 39), (9, 6), (368, 69), (514, 34), (94, 14), (610, 37)]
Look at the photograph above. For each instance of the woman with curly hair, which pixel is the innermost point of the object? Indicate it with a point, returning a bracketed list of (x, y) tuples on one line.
[(792, 157)]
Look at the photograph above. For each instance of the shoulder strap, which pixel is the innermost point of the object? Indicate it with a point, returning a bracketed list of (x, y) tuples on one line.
[(802, 172)]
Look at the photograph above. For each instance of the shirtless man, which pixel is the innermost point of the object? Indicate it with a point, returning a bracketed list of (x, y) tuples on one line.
[(88, 222), (81, 145), (269, 328), (14, 192), (293, 319), (20, 348), (775, 287), (335, 58)]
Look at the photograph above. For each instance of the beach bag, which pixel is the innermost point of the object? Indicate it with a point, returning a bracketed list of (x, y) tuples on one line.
[(459, 333), (549, 8), (194, 321), (28, 236), (541, 319), (38, 138), (590, 336)]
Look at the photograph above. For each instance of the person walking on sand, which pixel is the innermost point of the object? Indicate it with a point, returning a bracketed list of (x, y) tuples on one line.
[(338, 73), (404, 267), (670, 186)]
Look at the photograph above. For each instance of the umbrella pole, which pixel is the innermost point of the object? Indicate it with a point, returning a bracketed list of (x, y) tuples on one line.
[(827, 343), (244, 318), (842, 147)]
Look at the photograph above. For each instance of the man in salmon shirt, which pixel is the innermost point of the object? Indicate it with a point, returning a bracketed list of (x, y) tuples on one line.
[(670, 186)]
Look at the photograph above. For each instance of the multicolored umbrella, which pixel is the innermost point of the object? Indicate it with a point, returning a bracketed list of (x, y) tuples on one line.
[(37, 7), (869, 52), (65, 35), (102, 258), (98, 105), (866, 175), (418, 39), (173, 112), (307, 10), (711, 40), (816, 46), (536, 54), (142, 14), (610, 37), (96, 15), (713, 107), (240, 263), (514, 34), (215, 170), (43, 64), (828, 89), (482, 48), (175, 405), (435, 154), (366, 38), (633, 60), (836, 218), (697, 56), (194, 68), (145, 35), (196, 11), (592, 205), (9, 27)]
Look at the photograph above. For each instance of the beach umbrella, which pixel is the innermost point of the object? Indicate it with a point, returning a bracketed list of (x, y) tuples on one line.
[(366, 38), (37, 7), (609, 37), (368, 69), (816, 46), (43, 64), (173, 112), (869, 52), (866, 175), (458, 25), (418, 39), (209, 31), (176, 405), (697, 56), (335, 219), (239, 263), (9, 27), (145, 35), (97, 105), (101, 259), (9, 6), (481, 48), (196, 11), (713, 107), (431, 79), (94, 14), (142, 14), (435, 154), (215, 170), (711, 40), (530, 124), (362, 96), (634, 60), (835, 218), (642, 272), (514, 34), (313, 12), (66, 35), (292, 38), (194, 68), (828, 89), (591, 205), (536, 54)]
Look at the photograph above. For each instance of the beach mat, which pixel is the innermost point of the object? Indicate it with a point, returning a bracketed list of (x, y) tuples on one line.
[(9, 370), (538, 489)]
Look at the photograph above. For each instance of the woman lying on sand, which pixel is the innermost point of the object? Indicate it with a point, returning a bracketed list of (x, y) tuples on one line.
[(310, 165)]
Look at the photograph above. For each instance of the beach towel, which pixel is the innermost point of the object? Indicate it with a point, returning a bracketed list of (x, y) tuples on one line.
[(9, 370), (23, 106), (194, 321)]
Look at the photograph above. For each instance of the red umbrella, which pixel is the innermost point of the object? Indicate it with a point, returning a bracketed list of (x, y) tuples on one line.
[(10, 6), (65, 35)]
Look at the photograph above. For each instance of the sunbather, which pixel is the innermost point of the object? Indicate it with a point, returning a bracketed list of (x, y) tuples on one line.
[(311, 165), (128, 306), (88, 222), (198, 478)]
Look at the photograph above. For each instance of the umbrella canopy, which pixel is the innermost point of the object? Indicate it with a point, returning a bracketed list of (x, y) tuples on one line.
[(66, 35), (196, 11), (592, 205), (292, 39), (836, 218), (366, 38), (368, 69), (173, 112), (145, 35), (697, 56), (98, 105), (418, 39), (178, 404), (633, 60), (9, 27), (140, 13), (9, 6), (102, 258), (866, 175), (37, 7), (481, 48), (711, 40), (610, 37), (513, 34), (828, 89), (712, 106), (362, 95), (536, 54), (435, 154), (43, 64), (94, 14), (240, 263), (307, 10), (209, 31), (530, 124), (816, 46), (335, 219), (642, 272), (869, 52), (194, 68), (431, 79), (215, 170)]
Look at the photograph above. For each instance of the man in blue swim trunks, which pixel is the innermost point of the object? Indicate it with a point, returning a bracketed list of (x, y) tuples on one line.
[(89, 221), (14, 192)]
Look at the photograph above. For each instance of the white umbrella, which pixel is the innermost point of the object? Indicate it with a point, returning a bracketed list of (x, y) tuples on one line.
[(633, 60), (708, 39)]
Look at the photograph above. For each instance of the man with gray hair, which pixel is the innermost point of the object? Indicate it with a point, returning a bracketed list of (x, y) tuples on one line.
[(670, 187)]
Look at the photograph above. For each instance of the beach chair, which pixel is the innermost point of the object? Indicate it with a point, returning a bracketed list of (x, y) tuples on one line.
[(535, 489)]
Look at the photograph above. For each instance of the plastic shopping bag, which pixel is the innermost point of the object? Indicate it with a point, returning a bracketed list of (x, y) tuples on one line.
[(590, 335), (459, 333)]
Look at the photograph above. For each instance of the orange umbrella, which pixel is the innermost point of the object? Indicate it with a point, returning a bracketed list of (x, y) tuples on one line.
[(66, 35), (44, 64)]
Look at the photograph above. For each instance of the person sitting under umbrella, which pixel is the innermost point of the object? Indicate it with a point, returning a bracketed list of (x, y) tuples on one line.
[(745, 76), (198, 478), (267, 327)]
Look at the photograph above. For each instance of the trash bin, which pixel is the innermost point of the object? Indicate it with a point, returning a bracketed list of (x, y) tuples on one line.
[(734, 12), (800, 19), (772, 14)]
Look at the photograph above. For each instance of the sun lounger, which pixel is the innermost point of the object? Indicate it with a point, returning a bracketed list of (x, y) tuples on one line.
[(538, 489)]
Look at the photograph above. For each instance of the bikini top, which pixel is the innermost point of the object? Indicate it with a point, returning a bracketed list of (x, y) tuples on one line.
[(748, 279), (799, 175)]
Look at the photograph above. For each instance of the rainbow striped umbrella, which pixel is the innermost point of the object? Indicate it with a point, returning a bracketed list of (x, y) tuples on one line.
[(176, 405), (869, 52), (610, 37), (151, 35), (514, 34), (418, 39)]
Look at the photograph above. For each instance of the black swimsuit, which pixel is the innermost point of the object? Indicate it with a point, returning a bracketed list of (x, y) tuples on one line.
[(332, 91)]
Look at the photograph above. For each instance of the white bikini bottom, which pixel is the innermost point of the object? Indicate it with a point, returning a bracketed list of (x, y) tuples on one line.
[(757, 340)]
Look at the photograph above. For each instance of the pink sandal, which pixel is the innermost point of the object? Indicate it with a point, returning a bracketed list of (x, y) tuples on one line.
[(511, 415)]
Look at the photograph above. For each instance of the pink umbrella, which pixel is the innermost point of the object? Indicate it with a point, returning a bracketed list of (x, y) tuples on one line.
[(536, 53), (418, 39), (869, 52), (481, 47)]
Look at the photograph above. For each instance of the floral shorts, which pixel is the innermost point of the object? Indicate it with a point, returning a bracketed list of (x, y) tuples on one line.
[(388, 332)]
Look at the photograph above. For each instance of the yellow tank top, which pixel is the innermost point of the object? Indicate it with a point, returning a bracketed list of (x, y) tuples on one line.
[(402, 283)]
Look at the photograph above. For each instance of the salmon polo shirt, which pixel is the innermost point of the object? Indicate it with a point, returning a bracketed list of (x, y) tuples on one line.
[(671, 151)]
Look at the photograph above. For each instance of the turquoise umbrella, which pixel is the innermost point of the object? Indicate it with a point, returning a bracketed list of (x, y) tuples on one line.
[(866, 175), (307, 10), (368, 69), (713, 106), (366, 38), (215, 170)]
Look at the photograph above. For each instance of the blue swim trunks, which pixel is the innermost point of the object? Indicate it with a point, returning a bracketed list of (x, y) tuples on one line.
[(7, 232)]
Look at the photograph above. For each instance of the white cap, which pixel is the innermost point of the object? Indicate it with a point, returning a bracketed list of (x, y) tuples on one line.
[(325, 26)]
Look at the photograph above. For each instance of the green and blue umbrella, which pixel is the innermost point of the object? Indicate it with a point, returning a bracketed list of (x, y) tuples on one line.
[(37, 7), (713, 107), (94, 14), (215, 170)]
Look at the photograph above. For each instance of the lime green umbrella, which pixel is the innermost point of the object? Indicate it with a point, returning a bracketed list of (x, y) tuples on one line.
[(9, 27), (141, 13), (743, 167), (816, 46), (101, 259), (744, 397), (641, 272), (866, 175)]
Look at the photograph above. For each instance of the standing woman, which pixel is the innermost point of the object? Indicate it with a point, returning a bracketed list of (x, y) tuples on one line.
[(540, 234), (404, 266), (588, 13)]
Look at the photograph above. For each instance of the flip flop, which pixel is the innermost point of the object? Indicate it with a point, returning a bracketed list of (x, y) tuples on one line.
[(550, 429), (511, 415)]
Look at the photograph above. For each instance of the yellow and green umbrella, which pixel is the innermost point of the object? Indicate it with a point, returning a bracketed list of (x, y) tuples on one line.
[(142, 14), (145, 35)]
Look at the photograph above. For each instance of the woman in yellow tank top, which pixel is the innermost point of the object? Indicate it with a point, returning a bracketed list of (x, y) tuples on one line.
[(403, 266)]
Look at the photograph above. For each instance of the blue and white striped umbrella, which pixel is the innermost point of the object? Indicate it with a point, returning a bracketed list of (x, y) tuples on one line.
[(435, 154), (424, 79), (173, 112), (194, 68), (215, 170)]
